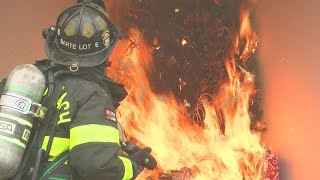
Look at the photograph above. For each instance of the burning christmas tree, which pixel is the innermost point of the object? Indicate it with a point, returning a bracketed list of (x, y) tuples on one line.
[(191, 70)]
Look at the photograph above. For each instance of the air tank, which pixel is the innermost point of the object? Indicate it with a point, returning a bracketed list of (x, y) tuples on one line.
[(19, 103)]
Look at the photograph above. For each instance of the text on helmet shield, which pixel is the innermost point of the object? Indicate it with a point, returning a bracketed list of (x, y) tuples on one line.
[(84, 46), (80, 47)]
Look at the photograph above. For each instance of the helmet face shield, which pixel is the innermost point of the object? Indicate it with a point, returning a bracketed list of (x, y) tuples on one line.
[(84, 36)]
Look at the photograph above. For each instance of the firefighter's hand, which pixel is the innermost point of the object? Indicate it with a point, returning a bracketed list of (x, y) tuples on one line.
[(143, 158), (140, 156)]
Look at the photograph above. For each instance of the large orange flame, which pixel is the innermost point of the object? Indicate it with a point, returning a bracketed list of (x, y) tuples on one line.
[(159, 121)]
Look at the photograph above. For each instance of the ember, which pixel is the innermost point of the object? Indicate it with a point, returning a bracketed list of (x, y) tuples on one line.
[(190, 99), (184, 42)]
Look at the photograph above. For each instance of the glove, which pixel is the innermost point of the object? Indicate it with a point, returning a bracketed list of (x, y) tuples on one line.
[(137, 169), (144, 158), (140, 156)]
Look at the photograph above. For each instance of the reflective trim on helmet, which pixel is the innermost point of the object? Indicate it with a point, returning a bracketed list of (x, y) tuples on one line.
[(63, 18), (102, 24), (87, 30), (128, 171), (70, 29), (59, 145), (93, 133)]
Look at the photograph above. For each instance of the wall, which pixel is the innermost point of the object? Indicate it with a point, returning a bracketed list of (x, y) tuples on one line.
[(21, 26), (290, 61)]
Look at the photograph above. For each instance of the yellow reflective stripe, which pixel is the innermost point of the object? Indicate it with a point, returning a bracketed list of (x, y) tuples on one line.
[(59, 145), (62, 118), (93, 133), (128, 171), (12, 141), (45, 92), (21, 121), (53, 158), (61, 102)]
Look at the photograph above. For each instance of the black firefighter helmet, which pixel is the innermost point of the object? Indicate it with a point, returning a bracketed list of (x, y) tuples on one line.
[(83, 36)]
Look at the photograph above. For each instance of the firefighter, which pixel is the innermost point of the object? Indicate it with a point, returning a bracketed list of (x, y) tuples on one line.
[(86, 139)]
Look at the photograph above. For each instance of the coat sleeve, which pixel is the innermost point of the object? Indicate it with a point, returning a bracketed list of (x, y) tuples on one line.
[(94, 142)]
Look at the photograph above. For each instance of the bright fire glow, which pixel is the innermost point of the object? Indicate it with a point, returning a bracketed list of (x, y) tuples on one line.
[(184, 42), (161, 122)]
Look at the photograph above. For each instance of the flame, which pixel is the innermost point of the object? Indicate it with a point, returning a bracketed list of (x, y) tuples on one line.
[(251, 38), (184, 42), (159, 121)]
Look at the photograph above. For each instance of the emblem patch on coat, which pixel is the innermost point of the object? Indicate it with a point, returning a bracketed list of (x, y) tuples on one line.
[(111, 116)]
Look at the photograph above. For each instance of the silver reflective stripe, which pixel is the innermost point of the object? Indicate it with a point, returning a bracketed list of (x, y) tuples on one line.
[(122, 137), (16, 103), (121, 133)]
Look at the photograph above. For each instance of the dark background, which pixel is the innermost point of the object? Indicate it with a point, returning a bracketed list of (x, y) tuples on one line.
[(289, 60)]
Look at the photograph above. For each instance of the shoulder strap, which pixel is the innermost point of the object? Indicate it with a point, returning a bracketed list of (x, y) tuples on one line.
[(49, 121), (32, 157)]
